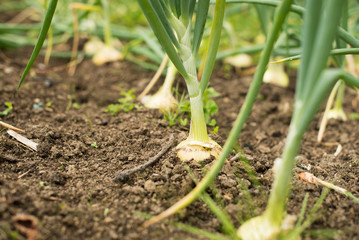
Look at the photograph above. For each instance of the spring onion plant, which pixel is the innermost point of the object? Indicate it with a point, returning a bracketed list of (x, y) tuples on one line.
[(171, 21), (280, 16), (313, 83)]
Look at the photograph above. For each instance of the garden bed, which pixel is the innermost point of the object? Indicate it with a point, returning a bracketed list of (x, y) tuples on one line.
[(67, 184)]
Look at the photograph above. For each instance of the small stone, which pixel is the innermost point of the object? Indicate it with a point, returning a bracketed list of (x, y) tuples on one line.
[(60, 118), (113, 234), (226, 181), (150, 186), (108, 220), (8, 70)]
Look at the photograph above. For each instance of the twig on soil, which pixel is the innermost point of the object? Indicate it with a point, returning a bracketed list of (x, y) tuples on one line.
[(27, 142), (52, 198), (123, 176), (22, 175), (310, 178), (6, 125)]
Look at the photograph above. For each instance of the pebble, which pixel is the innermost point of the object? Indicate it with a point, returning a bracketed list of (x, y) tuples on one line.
[(150, 186)]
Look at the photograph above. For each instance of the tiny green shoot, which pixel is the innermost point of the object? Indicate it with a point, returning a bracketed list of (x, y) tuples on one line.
[(176, 115), (94, 145), (48, 104), (42, 184), (354, 116), (182, 113), (106, 211), (8, 109), (125, 103)]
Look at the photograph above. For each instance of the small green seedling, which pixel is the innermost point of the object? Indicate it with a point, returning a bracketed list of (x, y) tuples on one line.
[(182, 114), (8, 109), (94, 145), (106, 211), (73, 103), (126, 103), (354, 116), (42, 184), (49, 104)]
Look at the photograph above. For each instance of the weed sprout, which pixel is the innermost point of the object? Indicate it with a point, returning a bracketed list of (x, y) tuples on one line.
[(8, 109)]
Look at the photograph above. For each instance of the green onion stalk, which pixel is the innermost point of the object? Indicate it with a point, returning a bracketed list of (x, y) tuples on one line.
[(171, 22), (198, 146)]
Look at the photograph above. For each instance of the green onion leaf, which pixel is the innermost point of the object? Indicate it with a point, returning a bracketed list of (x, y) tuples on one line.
[(43, 32)]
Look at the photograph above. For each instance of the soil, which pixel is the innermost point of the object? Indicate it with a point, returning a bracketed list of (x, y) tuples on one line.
[(65, 189)]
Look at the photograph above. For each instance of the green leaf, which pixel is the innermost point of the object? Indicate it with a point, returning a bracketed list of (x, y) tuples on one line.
[(8, 110), (210, 93), (212, 123), (345, 35), (319, 49), (173, 7), (215, 130), (43, 32), (310, 28), (162, 35), (354, 116), (185, 5), (184, 121), (334, 52), (214, 38), (201, 18), (163, 18)]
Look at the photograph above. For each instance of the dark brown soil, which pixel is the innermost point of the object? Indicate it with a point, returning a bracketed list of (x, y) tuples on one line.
[(67, 185)]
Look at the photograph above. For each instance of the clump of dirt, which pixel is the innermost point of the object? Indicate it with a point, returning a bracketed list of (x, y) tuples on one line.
[(67, 184)]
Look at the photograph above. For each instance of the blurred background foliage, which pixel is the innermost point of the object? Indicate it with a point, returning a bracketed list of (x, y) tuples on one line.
[(20, 23)]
